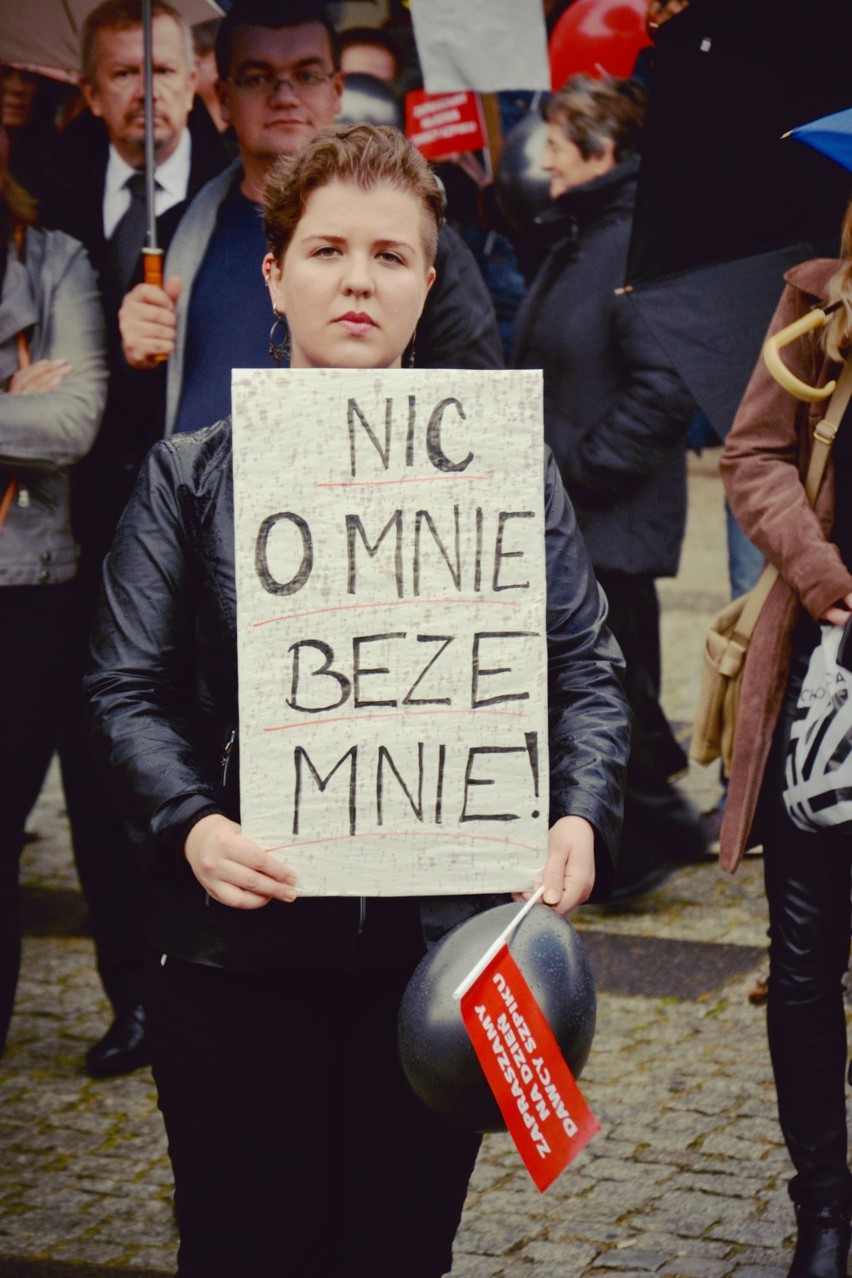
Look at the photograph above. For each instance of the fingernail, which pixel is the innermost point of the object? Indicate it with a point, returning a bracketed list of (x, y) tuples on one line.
[(551, 897)]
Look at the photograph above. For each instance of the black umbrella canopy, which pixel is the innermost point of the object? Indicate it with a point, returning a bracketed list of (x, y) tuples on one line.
[(725, 205), (718, 181)]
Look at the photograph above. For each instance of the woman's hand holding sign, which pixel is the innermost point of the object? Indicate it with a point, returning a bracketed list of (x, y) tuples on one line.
[(569, 872), (234, 870)]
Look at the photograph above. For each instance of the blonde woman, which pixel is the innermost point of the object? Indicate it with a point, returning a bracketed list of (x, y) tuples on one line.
[(807, 875)]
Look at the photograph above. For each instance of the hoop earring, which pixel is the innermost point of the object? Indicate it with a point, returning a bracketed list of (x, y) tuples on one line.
[(409, 362), (279, 348)]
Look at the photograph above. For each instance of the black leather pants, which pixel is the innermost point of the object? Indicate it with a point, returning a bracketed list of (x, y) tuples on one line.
[(808, 888)]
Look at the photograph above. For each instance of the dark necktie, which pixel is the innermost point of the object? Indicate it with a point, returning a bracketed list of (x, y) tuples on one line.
[(128, 238)]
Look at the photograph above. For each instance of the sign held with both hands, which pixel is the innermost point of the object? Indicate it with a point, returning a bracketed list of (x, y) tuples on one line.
[(391, 601)]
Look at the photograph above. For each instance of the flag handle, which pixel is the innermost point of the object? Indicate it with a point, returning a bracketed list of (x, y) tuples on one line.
[(480, 967)]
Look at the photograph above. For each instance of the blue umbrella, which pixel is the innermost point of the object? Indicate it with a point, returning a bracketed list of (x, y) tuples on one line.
[(831, 136)]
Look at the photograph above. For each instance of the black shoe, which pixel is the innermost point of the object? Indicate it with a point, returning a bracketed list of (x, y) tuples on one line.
[(122, 1049), (822, 1245), (640, 882)]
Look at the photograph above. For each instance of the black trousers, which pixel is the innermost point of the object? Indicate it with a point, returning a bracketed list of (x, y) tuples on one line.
[(296, 1144), (108, 863), (36, 665), (659, 823), (808, 882)]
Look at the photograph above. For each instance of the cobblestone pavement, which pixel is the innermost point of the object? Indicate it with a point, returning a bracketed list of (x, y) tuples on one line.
[(687, 1177)]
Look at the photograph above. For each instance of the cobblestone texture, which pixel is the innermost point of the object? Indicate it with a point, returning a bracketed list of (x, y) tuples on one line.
[(686, 1179)]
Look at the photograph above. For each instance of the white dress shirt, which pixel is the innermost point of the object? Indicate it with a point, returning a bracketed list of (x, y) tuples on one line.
[(172, 177)]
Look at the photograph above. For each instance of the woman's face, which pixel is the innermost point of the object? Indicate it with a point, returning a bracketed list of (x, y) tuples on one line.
[(19, 90), (354, 277), (567, 165)]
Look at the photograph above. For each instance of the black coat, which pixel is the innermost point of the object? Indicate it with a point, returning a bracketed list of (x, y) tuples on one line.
[(74, 190), (163, 701), (615, 411), (135, 410)]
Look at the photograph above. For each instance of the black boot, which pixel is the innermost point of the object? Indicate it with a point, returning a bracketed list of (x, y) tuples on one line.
[(822, 1245)]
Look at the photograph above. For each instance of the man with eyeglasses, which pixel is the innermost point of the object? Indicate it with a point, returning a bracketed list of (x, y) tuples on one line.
[(279, 82)]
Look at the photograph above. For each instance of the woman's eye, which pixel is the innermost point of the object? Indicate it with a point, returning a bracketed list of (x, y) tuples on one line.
[(327, 250), (387, 256)]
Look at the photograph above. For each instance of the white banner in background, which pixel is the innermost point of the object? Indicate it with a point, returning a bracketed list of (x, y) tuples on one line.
[(485, 47), (391, 602)]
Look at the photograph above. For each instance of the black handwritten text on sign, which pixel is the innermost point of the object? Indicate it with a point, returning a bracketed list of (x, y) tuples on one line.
[(391, 627)]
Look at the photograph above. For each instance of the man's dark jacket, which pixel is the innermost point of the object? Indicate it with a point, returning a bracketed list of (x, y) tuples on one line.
[(163, 704), (615, 411)]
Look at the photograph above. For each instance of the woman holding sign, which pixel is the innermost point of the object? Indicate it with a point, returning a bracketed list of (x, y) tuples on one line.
[(296, 1144)]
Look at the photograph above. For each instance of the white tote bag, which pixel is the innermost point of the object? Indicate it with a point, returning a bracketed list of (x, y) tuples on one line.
[(818, 767)]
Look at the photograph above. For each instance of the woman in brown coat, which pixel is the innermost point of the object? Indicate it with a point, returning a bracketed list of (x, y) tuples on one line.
[(807, 875)]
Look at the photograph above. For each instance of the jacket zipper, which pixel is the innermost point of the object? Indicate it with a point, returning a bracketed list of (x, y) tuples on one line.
[(226, 755), (362, 915)]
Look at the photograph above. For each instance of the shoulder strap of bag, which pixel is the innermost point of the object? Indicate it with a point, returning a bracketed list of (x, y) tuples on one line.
[(824, 434), (20, 236)]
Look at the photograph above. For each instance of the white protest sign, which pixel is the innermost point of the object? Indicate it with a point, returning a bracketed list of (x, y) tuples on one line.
[(391, 604), (484, 47)]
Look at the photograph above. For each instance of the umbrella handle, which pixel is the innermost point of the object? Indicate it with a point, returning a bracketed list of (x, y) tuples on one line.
[(773, 346), (152, 273)]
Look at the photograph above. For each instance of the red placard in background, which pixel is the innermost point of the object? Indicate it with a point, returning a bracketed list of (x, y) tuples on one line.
[(442, 124), (546, 1115)]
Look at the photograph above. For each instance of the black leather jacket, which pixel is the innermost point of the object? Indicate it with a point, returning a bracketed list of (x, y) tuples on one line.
[(163, 697)]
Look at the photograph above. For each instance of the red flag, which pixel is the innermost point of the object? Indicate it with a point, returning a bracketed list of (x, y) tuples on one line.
[(544, 1110), (444, 123)]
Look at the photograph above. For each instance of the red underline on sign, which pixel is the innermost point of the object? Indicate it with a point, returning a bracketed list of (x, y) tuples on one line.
[(408, 834), (395, 714), (390, 603), (414, 479)]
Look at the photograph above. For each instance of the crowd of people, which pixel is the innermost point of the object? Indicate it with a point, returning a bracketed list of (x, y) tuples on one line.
[(115, 436)]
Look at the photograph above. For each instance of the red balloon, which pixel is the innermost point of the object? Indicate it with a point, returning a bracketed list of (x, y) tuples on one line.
[(598, 37)]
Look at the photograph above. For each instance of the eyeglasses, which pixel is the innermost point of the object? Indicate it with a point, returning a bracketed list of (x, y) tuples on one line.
[(302, 83)]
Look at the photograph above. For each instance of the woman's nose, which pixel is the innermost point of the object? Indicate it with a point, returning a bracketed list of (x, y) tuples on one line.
[(358, 277)]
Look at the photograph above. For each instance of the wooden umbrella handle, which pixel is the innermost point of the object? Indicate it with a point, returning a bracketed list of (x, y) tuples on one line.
[(152, 266), (152, 273)]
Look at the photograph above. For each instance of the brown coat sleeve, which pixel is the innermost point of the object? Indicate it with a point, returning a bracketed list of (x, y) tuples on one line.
[(767, 451)]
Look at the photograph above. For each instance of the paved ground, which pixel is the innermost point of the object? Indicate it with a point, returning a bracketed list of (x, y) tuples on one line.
[(687, 1177)]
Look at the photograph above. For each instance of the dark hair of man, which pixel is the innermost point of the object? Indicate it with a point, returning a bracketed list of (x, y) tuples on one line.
[(592, 112), (204, 36), (365, 155), (272, 14), (374, 36), (119, 15)]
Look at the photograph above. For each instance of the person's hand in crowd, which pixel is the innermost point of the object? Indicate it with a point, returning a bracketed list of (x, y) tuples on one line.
[(234, 870), (40, 377), (839, 613), (147, 323), (569, 872)]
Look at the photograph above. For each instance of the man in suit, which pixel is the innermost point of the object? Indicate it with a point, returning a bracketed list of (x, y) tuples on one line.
[(96, 194)]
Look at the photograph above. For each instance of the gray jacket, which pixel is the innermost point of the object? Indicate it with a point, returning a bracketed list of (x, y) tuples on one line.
[(458, 328), (53, 294)]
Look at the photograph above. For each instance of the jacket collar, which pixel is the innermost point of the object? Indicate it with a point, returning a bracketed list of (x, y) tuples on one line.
[(613, 194)]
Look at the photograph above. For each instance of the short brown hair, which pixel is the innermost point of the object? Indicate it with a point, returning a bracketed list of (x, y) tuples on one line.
[(593, 112), (119, 15), (273, 15), (365, 155)]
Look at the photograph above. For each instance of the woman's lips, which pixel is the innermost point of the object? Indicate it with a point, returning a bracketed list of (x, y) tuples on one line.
[(356, 322)]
